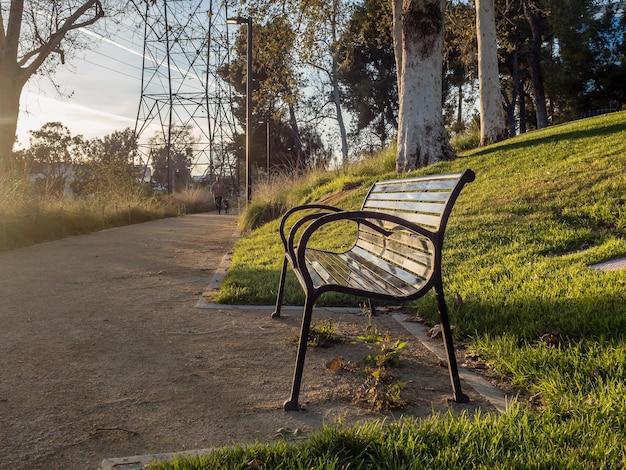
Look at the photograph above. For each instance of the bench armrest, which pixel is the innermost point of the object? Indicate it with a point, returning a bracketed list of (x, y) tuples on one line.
[(360, 217), (322, 210)]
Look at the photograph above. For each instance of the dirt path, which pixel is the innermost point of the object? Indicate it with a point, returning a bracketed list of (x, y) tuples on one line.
[(102, 353)]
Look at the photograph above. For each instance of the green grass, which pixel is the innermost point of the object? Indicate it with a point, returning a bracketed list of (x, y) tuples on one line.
[(516, 440), (521, 238)]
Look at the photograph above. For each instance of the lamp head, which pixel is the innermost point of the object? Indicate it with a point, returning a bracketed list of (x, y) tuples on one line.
[(238, 20)]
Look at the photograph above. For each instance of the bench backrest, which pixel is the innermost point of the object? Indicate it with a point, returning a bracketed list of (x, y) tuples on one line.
[(425, 201)]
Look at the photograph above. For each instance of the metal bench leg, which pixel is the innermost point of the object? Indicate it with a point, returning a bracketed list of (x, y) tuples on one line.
[(281, 289), (292, 404), (459, 396), (372, 307)]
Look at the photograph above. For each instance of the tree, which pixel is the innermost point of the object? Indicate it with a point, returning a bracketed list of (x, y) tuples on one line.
[(172, 167), (490, 101), (368, 71), (34, 36), (459, 60), (275, 85), (51, 155), (109, 169), (589, 67), (536, 21), (319, 26), (323, 30), (513, 33), (418, 42)]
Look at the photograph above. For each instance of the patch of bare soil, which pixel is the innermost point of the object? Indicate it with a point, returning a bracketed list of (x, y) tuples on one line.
[(103, 353)]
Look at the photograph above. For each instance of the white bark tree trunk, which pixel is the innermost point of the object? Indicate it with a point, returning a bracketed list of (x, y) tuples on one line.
[(491, 112), (337, 100), (422, 137)]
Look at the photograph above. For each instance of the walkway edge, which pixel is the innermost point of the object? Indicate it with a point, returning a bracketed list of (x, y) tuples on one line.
[(499, 400)]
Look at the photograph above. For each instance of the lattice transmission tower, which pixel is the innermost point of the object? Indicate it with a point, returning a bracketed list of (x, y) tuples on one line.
[(185, 113)]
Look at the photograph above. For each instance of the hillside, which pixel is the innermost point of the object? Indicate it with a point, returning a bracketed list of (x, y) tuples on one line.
[(544, 207)]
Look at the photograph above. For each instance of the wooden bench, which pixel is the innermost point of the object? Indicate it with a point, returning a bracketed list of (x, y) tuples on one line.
[(395, 257)]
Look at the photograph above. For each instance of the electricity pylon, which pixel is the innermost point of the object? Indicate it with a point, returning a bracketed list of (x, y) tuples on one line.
[(184, 117)]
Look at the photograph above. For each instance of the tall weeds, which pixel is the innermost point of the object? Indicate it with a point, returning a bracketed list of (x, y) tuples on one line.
[(28, 217)]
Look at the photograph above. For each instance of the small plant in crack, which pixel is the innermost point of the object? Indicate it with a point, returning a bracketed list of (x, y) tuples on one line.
[(380, 390), (321, 334)]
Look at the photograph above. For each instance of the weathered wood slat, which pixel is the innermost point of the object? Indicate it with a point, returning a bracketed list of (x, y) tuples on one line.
[(412, 196), (406, 186), (330, 268), (406, 207), (418, 260), (429, 221), (383, 266), (422, 270), (414, 245)]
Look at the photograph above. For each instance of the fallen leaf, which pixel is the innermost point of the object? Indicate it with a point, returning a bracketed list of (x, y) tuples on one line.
[(255, 464), (434, 332), (551, 339), (335, 364), (288, 433)]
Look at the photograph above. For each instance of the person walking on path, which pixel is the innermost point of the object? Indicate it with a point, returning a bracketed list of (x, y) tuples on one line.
[(218, 189)]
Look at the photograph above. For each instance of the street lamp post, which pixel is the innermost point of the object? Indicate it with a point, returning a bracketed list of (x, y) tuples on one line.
[(247, 21), (268, 147)]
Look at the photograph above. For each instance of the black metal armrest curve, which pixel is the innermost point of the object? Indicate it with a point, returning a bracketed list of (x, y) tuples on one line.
[(363, 217), (293, 210)]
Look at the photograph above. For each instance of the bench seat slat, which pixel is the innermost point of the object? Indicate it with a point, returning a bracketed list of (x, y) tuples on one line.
[(414, 248), (381, 265), (386, 283), (334, 268), (415, 245), (361, 276), (421, 269)]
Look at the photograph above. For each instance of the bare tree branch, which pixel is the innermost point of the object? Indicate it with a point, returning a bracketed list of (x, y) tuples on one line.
[(40, 54)]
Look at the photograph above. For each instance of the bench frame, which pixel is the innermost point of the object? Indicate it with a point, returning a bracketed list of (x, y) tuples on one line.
[(381, 216)]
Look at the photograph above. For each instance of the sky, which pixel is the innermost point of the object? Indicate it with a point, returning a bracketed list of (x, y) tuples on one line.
[(100, 88), (100, 91)]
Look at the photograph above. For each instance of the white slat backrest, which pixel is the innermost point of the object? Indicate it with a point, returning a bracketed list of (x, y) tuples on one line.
[(423, 201), (420, 200)]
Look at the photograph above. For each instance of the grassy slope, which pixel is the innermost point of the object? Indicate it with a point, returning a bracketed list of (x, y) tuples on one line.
[(544, 207), (516, 236)]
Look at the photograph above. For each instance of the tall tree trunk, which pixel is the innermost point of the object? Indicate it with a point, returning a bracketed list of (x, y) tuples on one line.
[(534, 58), (422, 137), (491, 114), (522, 111), (515, 75), (10, 91), (335, 84), (511, 103), (397, 41), (337, 99)]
